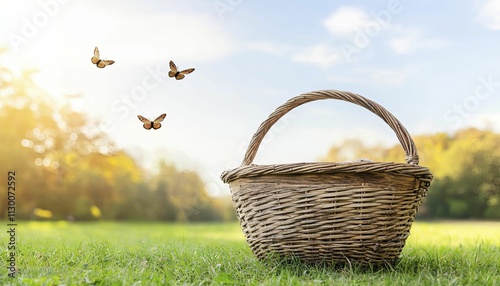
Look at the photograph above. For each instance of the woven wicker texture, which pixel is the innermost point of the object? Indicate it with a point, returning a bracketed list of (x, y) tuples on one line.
[(357, 212)]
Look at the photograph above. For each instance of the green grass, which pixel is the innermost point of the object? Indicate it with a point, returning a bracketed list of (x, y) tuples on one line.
[(107, 253)]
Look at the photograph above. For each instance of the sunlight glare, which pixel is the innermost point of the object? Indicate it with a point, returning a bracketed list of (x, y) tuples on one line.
[(27, 143)]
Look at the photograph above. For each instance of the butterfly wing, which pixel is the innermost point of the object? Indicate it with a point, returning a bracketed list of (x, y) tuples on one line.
[(182, 74), (95, 58), (104, 63), (187, 71), (160, 118), (156, 123), (173, 69), (147, 123)]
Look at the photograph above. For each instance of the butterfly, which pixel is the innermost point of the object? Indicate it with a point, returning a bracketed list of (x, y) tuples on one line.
[(96, 59), (178, 74), (155, 124)]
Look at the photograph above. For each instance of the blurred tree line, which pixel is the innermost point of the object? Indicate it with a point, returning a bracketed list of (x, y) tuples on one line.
[(67, 168), (465, 165)]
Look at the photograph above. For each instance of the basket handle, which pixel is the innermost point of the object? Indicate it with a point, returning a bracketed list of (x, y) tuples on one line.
[(401, 132)]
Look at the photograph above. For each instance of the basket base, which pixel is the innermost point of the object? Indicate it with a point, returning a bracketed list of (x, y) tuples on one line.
[(331, 253), (331, 264), (328, 218)]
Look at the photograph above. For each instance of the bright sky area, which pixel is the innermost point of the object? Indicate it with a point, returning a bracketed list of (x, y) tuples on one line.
[(433, 64)]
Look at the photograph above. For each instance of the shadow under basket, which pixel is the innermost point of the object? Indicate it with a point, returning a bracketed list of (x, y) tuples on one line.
[(356, 212)]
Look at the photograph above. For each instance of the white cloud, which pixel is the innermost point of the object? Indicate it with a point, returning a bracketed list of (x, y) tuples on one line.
[(346, 20), (126, 35), (167, 34), (269, 48), (390, 77), (393, 76), (489, 14), (412, 41), (130, 35), (338, 78), (320, 55), (486, 121)]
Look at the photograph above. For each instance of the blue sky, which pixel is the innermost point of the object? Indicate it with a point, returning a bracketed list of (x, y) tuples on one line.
[(433, 64)]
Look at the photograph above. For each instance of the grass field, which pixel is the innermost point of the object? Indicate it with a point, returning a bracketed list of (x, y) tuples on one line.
[(107, 253)]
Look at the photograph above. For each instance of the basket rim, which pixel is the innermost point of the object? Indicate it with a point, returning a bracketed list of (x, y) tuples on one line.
[(254, 170)]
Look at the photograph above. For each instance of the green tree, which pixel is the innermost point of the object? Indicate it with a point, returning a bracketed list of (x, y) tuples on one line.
[(182, 193)]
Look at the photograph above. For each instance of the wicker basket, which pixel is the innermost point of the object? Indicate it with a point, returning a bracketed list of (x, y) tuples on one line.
[(356, 212)]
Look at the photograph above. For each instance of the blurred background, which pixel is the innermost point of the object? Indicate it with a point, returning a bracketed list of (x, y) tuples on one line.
[(70, 130)]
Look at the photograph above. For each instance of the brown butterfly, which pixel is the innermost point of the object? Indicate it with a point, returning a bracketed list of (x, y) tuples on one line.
[(155, 124), (178, 74), (96, 60)]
